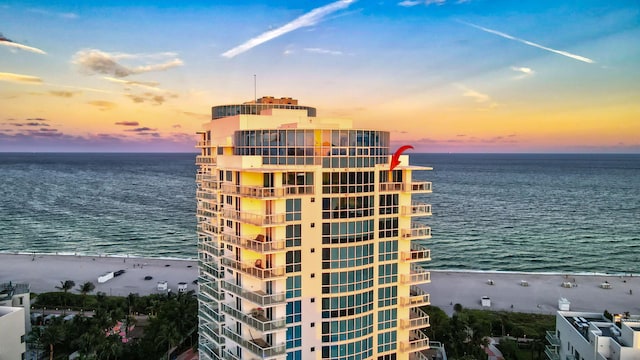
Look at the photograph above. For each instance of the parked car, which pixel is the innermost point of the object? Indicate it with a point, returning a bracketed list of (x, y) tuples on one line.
[(118, 273)]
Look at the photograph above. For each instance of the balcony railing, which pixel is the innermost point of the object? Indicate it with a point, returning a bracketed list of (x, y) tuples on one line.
[(206, 177), (552, 338), (417, 342), (212, 332), (254, 219), (412, 187), (257, 346), (418, 276), (254, 269), (256, 243), (420, 187), (210, 247), (256, 321), (206, 195), (261, 192), (418, 319), (259, 297), (391, 186), (207, 228), (210, 314), (552, 352), (416, 209), (207, 288), (418, 253), (207, 212), (205, 160), (417, 297), (417, 231)]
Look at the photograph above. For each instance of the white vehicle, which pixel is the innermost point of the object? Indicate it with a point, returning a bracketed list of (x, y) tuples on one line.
[(182, 287)]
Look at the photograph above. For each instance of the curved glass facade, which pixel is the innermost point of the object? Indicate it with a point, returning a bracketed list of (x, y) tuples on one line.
[(221, 111), (329, 148)]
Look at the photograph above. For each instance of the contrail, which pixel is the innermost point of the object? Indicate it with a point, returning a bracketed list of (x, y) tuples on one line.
[(507, 36), (309, 19), (6, 42)]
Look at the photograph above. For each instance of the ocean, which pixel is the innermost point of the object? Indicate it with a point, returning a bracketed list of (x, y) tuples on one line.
[(491, 212)]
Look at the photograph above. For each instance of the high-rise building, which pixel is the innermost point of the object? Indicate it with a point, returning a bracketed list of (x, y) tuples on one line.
[(308, 238)]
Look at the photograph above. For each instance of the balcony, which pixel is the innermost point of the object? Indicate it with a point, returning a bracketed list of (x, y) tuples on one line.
[(417, 297), (254, 219), (417, 342), (211, 332), (418, 253), (253, 191), (552, 352), (211, 310), (254, 269), (203, 143), (255, 243), (416, 209), (207, 287), (207, 228), (257, 346), (203, 176), (418, 276), (418, 319), (210, 269), (205, 160), (417, 231), (258, 297), (210, 213), (209, 350), (417, 187), (391, 186), (552, 338), (206, 194), (210, 247), (256, 320)]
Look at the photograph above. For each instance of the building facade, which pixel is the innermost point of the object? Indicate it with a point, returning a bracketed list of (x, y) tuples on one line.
[(308, 238), (591, 336), (12, 341), (17, 295)]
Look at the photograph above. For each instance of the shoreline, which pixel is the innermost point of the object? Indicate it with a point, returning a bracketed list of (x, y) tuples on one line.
[(169, 258), (447, 287)]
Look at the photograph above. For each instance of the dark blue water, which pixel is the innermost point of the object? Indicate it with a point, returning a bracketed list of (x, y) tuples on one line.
[(548, 213)]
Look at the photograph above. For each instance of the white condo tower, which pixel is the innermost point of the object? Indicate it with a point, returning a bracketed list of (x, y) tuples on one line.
[(308, 238)]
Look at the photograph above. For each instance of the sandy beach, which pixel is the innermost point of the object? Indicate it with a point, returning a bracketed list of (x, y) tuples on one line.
[(44, 272)]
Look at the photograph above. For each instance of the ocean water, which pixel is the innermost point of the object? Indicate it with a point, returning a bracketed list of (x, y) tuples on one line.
[(499, 212)]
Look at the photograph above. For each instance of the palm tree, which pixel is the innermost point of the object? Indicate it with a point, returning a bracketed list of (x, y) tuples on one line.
[(84, 289), (53, 335), (66, 285)]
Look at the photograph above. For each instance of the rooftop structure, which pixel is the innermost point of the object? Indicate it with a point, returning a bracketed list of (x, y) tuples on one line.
[(591, 336), (17, 295), (308, 238)]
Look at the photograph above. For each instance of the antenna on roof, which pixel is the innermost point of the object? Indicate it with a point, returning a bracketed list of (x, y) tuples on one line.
[(255, 86)]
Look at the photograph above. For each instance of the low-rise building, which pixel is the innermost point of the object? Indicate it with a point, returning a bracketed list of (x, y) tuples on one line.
[(12, 328), (17, 295), (592, 336)]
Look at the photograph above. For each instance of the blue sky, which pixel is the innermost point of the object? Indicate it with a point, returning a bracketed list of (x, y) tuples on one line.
[(443, 76)]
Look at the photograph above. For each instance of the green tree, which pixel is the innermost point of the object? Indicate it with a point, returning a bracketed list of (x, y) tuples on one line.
[(84, 289), (53, 335), (66, 285)]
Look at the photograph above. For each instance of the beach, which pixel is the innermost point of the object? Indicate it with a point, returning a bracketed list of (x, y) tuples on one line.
[(506, 290)]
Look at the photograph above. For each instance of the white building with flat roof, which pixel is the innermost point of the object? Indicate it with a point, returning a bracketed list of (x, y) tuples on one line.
[(308, 238), (591, 336), (12, 330), (17, 295)]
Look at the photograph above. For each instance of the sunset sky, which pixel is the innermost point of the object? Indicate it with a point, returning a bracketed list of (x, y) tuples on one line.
[(443, 76)]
